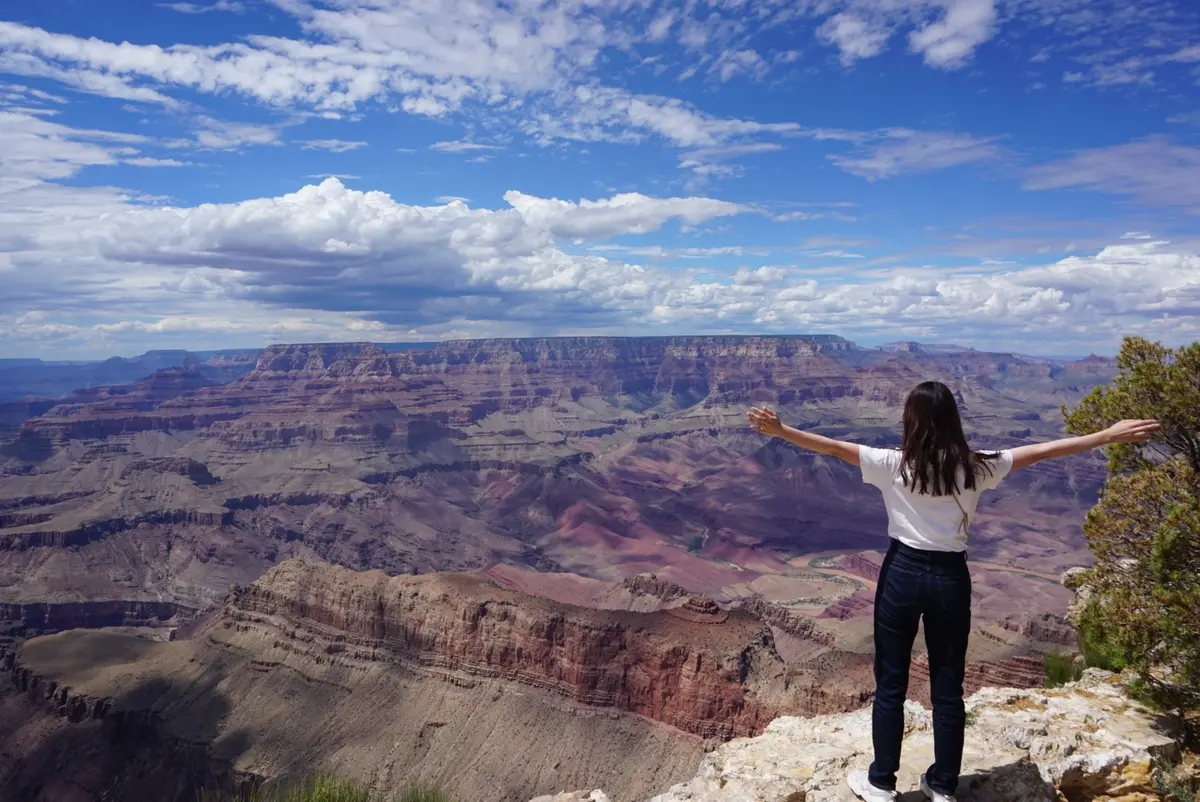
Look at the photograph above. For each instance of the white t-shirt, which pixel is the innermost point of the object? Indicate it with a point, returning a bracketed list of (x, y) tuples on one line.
[(924, 521)]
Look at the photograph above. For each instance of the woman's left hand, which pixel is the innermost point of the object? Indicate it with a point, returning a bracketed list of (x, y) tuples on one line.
[(765, 422)]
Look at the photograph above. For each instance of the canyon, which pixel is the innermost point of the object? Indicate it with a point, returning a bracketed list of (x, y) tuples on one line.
[(601, 457), (573, 542)]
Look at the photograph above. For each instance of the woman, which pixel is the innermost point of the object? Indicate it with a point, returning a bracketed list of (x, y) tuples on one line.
[(930, 488)]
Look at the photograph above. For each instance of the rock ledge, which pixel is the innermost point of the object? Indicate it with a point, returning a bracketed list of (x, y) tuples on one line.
[(1085, 741)]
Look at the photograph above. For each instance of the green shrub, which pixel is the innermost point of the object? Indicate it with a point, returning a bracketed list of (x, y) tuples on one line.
[(1097, 646), (1143, 613), (1061, 669), (1174, 783)]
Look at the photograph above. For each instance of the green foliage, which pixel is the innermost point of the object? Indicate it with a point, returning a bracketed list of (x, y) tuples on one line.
[(421, 793), (1154, 382), (1061, 669), (328, 788), (1174, 783), (1143, 612), (1097, 646)]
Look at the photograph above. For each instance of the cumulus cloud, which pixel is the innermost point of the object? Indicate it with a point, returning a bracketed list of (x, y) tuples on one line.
[(331, 261)]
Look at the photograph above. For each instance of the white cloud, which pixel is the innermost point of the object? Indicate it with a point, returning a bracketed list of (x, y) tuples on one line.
[(233, 6), (1125, 72), (732, 63), (1187, 54), (35, 149), (854, 36), (1189, 118), (335, 145), (603, 113), (1153, 170), (952, 39), (898, 151), (661, 26), (834, 254), (762, 275), (630, 213), (146, 161), (532, 62), (338, 176), (462, 146), (216, 134), (945, 32), (328, 262), (706, 161)]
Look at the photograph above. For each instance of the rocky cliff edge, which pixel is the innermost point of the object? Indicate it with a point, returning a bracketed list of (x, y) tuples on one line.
[(1084, 741)]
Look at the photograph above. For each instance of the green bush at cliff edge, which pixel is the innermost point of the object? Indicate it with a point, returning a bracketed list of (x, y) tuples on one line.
[(1143, 611)]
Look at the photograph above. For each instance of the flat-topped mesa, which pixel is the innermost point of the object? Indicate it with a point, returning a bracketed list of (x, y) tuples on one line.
[(311, 358), (701, 670), (537, 349)]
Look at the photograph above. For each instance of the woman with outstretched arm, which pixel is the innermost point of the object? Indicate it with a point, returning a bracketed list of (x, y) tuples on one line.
[(931, 486)]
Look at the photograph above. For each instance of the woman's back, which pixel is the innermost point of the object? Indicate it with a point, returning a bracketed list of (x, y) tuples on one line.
[(924, 520)]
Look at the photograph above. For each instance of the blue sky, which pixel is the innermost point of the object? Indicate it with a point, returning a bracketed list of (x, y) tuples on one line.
[(1009, 174)]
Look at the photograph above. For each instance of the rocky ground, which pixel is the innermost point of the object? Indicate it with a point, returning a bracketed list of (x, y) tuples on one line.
[(1086, 741)]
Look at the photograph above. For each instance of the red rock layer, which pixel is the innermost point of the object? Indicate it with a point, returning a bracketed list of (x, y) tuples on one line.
[(1014, 672), (698, 668)]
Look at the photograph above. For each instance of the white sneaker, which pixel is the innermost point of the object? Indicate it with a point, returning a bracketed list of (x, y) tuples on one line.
[(933, 795), (862, 788)]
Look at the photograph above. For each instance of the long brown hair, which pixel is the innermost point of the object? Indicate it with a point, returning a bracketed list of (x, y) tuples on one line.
[(935, 448)]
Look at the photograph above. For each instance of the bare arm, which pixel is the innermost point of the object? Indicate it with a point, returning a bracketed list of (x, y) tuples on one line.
[(1126, 431), (767, 422)]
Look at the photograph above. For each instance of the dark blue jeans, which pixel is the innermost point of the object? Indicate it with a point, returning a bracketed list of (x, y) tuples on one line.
[(934, 586)]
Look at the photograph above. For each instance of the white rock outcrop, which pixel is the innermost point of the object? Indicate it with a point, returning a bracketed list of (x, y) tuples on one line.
[(1085, 741)]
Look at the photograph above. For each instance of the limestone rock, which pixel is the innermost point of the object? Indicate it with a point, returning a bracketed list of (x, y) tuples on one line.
[(574, 796), (1083, 741)]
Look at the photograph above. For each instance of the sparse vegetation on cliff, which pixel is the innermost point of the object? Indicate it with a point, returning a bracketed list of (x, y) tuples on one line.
[(1062, 668), (330, 788), (1141, 607)]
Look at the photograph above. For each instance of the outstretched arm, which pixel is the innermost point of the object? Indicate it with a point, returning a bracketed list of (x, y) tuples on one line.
[(768, 423), (1126, 431)]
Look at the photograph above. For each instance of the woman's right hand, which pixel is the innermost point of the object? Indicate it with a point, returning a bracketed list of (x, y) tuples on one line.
[(1131, 431)]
